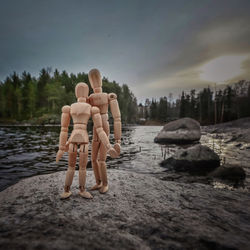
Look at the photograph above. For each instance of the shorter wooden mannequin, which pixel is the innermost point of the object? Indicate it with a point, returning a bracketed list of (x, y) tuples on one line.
[(80, 113)]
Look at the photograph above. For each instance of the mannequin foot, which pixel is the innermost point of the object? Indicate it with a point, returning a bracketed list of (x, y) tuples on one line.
[(65, 195), (104, 189), (96, 187), (85, 194)]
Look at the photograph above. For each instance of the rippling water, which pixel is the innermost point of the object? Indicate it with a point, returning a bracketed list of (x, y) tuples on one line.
[(30, 150)]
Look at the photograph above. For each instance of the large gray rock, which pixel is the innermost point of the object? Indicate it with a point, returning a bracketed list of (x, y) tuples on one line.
[(229, 172), (197, 159), (139, 212), (185, 130)]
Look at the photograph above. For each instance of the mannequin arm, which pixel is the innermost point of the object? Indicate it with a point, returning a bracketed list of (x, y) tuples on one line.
[(97, 119), (65, 120), (114, 107)]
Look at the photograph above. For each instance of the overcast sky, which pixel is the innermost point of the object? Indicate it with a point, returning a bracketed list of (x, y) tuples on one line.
[(156, 47)]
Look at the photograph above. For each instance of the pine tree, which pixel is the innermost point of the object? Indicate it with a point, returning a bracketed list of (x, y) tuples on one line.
[(162, 109), (182, 105)]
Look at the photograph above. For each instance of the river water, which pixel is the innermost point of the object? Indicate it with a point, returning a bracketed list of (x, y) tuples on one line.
[(31, 150)]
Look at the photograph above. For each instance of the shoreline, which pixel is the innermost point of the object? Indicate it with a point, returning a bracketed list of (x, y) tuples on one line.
[(243, 123)]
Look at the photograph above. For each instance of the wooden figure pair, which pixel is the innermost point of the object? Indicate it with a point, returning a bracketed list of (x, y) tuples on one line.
[(96, 106)]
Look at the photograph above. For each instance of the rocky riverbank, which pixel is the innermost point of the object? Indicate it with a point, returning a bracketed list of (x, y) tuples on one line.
[(239, 130), (231, 141), (140, 211)]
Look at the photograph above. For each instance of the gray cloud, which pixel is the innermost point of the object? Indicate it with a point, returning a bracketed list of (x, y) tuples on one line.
[(229, 36), (154, 46)]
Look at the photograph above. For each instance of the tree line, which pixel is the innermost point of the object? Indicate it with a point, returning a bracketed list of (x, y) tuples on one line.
[(208, 106), (27, 97)]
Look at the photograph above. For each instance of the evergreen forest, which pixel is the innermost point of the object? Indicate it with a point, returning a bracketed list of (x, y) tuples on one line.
[(208, 106), (39, 100)]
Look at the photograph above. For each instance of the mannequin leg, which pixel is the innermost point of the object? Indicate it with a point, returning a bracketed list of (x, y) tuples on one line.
[(71, 170), (103, 157), (103, 169), (94, 162), (83, 159)]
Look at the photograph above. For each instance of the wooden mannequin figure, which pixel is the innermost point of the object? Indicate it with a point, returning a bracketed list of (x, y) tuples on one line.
[(80, 113), (99, 151)]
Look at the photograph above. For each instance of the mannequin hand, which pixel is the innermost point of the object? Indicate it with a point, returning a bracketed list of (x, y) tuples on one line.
[(66, 147), (59, 155), (112, 152), (117, 148)]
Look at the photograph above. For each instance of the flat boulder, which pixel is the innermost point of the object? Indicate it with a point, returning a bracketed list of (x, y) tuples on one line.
[(197, 159), (182, 131), (140, 211)]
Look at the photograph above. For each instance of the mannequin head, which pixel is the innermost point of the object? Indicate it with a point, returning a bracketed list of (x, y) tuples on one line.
[(95, 80), (81, 91)]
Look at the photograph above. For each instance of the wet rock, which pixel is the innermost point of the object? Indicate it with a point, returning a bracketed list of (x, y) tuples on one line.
[(229, 172), (197, 159), (186, 178), (240, 129), (185, 130), (139, 212)]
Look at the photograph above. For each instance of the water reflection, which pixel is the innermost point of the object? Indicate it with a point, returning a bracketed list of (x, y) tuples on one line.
[(229, 151)]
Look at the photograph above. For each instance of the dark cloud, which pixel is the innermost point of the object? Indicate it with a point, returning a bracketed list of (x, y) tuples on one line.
[(154, 46)]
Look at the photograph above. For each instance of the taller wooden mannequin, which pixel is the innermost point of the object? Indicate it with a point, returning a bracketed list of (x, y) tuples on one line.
[(80, 113), (99, 151)]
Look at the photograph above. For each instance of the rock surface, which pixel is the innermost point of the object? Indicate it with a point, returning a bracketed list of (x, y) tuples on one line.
[(185, 130), (197, 159), (229, 172), (139, 212), (239, 129)]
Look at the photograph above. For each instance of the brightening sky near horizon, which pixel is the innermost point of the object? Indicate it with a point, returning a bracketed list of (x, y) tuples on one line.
[(156, 47)]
